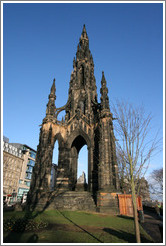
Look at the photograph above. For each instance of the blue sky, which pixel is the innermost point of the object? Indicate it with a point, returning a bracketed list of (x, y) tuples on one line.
[(40, 41)]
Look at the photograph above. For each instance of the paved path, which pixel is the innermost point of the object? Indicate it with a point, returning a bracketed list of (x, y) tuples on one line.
[(151, 226)]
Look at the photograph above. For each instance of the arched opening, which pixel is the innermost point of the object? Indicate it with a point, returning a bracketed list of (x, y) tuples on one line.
[(61, 116), (55, 153), (83, 163), (79, 164), (55, 156)]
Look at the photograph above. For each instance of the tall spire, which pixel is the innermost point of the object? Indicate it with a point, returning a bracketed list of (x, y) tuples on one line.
[(83, 46), (82, 82), (104, 94), (53, 90), (84, 33), (50, 111)]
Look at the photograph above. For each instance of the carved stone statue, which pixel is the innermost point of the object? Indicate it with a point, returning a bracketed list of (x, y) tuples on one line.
[(81, 179)]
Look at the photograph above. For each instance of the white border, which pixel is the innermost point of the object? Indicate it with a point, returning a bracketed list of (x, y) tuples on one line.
[(1, 121), (164, 122), (3, 2)]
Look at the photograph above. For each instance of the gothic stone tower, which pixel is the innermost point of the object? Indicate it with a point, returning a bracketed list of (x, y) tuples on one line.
[(86, 122)]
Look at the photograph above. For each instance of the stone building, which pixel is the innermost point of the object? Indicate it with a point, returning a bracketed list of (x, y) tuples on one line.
[(18, 163), (87, 122), (28, 155), (12, 165)]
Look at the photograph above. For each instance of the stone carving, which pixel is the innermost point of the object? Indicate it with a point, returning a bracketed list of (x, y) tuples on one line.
[(82, 179)]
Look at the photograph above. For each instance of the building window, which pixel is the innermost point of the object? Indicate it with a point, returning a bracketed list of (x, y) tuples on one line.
[(22, 190), (28, 176), (31, 163), (27, 183), (32, 154), (29, 169)]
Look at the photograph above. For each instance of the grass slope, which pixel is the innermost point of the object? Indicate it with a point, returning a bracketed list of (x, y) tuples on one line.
[(75, 227)]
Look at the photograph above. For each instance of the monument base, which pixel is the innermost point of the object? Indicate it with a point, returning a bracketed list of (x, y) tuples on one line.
[(66, 200), (107, 202), (81, 187)]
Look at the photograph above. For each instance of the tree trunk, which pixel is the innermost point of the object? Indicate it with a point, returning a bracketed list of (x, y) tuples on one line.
[(136, 223)]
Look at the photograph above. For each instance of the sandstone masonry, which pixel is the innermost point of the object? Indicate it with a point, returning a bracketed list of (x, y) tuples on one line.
[(87, 121)]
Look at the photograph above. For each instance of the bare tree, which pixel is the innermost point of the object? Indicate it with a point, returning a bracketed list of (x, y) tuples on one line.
[(134, 147), (156, 183)]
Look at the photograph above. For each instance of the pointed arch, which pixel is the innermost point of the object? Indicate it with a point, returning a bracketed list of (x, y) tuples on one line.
[(75, 134), (76, 141), (82, 165), (58, 137)]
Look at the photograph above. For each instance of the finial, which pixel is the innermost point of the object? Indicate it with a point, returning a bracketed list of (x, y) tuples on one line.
[(104, 93), (50, 111), (84, 29), (84, 33), (53, 89), (103, 81)]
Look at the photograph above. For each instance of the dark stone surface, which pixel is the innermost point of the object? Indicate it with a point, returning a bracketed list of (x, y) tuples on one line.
[(86, 122), (68, 200)]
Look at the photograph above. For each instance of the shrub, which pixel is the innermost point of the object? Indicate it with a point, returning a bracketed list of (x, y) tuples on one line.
[(21, 224)]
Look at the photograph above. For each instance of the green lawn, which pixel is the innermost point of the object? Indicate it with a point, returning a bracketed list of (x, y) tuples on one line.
[(74, 227)]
